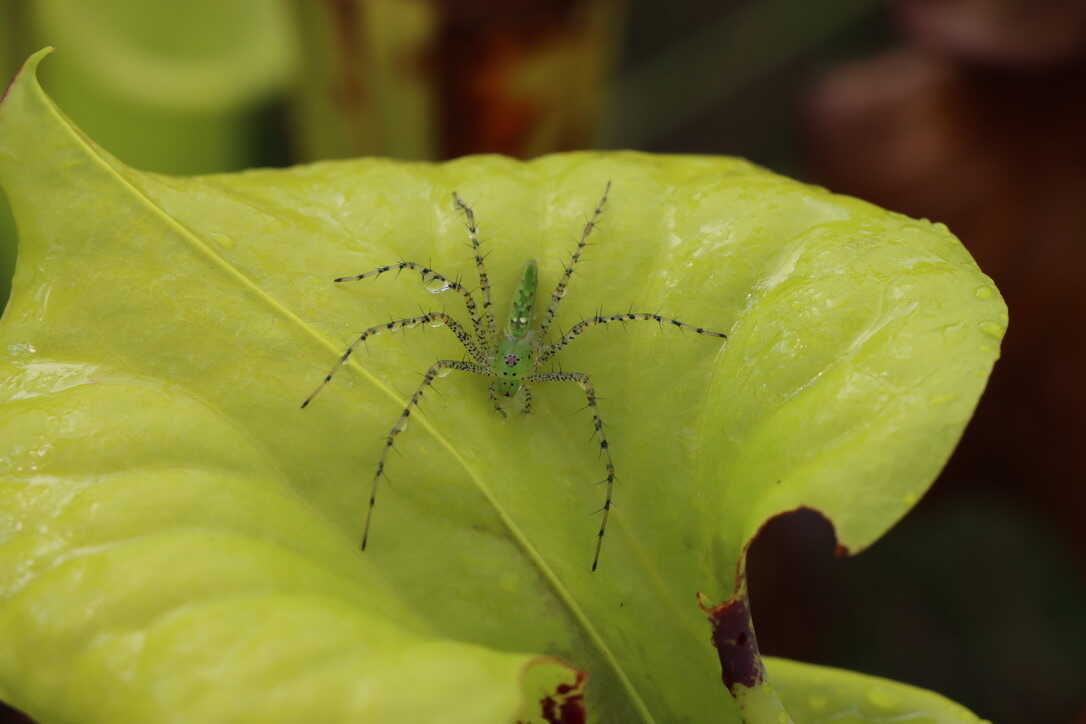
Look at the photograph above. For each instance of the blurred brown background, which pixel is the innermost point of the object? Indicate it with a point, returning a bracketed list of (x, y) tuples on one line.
[(969, 112)]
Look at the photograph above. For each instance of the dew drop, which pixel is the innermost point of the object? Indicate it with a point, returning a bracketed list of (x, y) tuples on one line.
[(444, 372), (436, 286)]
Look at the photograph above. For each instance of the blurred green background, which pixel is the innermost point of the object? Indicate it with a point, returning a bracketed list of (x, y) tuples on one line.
[(968, 112)]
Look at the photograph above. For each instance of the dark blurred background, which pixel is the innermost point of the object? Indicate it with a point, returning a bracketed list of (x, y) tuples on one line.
[(969, 112)]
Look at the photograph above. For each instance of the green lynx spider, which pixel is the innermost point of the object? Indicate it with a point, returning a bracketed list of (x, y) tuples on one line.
[(514, 358)]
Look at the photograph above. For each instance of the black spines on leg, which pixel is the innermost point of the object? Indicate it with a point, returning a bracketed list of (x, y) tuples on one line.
[(567, 271), (398, 427), (488, 331), (426, 273), (492, 390), (585, 383), (446, 321), (549, 350)]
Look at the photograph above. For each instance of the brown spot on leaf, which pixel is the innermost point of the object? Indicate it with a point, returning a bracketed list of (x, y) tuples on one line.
[(566, 705), (732, 627), (736, 646)]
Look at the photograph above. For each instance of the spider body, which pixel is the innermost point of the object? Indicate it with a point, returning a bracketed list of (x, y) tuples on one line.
[(515, 358), (512, 361)]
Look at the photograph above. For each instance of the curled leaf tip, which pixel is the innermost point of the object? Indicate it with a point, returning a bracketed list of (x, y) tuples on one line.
[(31, 64)]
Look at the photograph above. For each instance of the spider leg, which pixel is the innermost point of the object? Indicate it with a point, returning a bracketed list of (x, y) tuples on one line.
[(549, 350), (560, 289), (489, 330), (401, 423), (585, 383), (429, 275), (526, 405), (493, 391), (432, 318)]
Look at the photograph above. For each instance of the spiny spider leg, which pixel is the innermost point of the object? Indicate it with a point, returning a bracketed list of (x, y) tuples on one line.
[(401, 423), (427, 275), (560, 289), (493, 391), (491, 332), (549, 350), (590, 392), (526, 407), (434, 318)]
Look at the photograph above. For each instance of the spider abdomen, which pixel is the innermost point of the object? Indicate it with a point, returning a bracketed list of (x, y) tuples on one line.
[(520, 309)]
